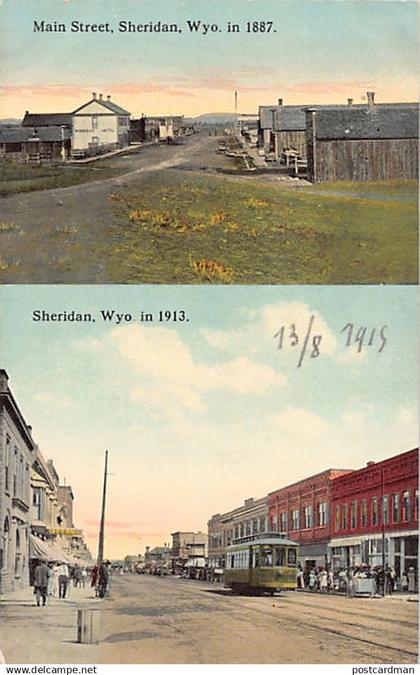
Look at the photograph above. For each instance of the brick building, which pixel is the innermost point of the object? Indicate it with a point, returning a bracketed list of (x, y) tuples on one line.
[(302, 512), (376, 507), (251, 518)]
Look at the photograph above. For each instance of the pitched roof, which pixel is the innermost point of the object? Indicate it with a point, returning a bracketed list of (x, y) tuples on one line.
[(109, 105), (368, 123), (47, 119), (266, 115), (23, 134)]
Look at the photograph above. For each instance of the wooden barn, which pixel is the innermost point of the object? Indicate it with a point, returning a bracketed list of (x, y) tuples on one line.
[(363, 143)]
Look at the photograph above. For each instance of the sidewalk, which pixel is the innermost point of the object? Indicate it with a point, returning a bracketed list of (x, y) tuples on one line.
[(31, 634)]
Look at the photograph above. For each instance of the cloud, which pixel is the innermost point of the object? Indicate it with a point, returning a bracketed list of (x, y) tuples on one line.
[(407, 417), (59, 400), (174, 380)]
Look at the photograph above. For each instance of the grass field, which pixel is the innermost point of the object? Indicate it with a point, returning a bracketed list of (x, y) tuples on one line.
[(180, 228), (16, 177)]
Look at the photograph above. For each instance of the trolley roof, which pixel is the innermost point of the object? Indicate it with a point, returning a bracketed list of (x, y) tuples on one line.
[(267, 538)]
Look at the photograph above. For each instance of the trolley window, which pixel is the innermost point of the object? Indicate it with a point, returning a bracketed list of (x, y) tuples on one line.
[(291, 556), (279, 556), (266, 556)]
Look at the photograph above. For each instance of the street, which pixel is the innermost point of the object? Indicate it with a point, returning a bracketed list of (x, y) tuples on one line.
[(148, 619)]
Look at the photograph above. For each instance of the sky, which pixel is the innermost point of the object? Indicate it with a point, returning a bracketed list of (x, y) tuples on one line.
[(200, 415), (318, 51)]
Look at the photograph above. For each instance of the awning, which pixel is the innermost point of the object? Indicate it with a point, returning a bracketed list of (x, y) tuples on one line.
[(42, 550), (195, 562)]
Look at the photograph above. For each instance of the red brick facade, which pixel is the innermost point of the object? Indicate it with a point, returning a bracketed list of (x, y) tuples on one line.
[(389, 488), (302, 511)]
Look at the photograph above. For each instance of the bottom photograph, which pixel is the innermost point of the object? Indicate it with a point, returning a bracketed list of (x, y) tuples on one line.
[(208, 475)]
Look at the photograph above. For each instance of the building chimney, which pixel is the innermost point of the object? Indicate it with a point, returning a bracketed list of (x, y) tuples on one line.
[(108, 98), (29, 428), (371, 98), (349, 102), (370, 463), (280, 101), (94, 95), (4, 379), (100, 97)]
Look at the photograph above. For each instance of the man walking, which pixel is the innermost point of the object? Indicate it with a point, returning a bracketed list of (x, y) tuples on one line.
[(42, 574), (63, 580)]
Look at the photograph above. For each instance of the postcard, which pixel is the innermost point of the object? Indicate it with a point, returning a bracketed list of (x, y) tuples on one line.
[(259, 500), (195, 142), (208, 336)]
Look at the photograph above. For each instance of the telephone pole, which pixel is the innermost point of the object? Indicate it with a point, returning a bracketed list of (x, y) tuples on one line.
[(102, 525)]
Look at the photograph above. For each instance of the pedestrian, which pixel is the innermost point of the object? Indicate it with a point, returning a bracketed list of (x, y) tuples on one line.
[(42, 574), (323, 580), (103, 579), (63, 580), (330, 580), (300, 580), (350, 583), (77, 577), (389, 581), (404, 582), (411, 580), (83, 577), (312, 579)]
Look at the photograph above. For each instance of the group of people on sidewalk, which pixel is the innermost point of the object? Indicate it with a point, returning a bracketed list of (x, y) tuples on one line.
[(54, 579), (381, 580)]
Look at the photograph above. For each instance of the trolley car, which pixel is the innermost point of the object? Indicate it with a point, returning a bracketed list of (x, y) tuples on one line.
[(261, 563)]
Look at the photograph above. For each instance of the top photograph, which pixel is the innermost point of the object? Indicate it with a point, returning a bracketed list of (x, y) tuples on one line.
[(194, 142)]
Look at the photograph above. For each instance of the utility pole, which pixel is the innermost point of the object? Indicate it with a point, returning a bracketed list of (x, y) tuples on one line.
[(383, 530), (102, 525)]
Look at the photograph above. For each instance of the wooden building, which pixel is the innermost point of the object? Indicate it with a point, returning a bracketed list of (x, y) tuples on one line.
[(363, 143), (35, 144), (99, 126)]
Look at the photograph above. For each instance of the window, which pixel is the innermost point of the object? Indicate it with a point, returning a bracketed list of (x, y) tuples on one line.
[(7, 465), (385, 510), (15, 470), (363, 513), (406, 510), (291, 556), (274, 523), (279, 556), (283, 520), (308, 516), (295, 519), (345, 521), (396, 508), (262, 524), (255, 526), (94, 122), (375, 512), (416, 505), (248, 528), (353, 515), (323, 513), (95, 140), (337, 518), (237, 532)]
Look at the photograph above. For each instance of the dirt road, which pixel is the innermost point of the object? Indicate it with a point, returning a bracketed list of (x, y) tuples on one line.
[(152, 620), (40, 249)]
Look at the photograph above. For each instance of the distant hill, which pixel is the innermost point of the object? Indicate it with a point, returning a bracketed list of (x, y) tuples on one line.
[(10, 122), (215, 118)]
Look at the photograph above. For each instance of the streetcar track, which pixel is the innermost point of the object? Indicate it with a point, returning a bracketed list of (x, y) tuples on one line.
[(320, 628)]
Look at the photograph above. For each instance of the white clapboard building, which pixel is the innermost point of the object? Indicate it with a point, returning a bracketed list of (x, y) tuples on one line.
[(99, 126)]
